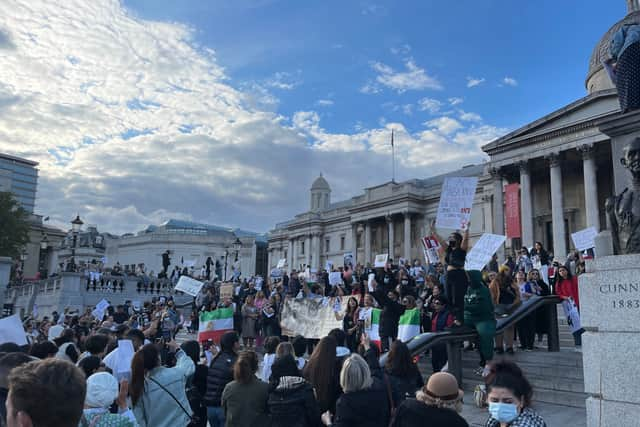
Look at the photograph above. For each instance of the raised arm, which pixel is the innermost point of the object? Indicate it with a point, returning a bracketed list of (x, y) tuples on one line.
[(465, 238)]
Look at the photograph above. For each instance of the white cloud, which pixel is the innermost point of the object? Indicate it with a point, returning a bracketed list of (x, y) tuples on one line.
[(470, 117), (370, 88), (404, 49), (414, 78), (510, 81), (324, 102), (455, 101), (284, 81), (474, 81), (444, 125), (429, 104)]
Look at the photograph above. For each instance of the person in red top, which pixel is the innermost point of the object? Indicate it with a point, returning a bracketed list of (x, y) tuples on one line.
[(567, 287), (442, 318)]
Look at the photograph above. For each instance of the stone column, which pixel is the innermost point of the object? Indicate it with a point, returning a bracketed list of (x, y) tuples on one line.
[(293, 266), (318, 250), (354, 241), (367, 243), (498, 207), (307, 249), (407, 235), (290, 255), (526, 205), (590, 186), (557, 206), (268, 261), (390, 232)]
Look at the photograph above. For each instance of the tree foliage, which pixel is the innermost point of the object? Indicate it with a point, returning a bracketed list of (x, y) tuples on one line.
[(14, 226)]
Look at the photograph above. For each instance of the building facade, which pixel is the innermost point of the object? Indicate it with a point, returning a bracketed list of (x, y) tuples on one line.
[(20, 177)]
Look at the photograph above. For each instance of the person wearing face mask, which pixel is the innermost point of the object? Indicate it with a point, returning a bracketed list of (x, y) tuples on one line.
[(390, 315), (509, 398)]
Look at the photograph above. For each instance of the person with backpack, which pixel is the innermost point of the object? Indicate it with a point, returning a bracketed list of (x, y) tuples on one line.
[(291, 401), (220, 374)]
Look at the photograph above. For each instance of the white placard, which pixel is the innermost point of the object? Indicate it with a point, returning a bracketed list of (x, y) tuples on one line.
[(572, 314), (370, 280), (431, 249), (281, 263), (381, 260), (328, 266), (348, 259), (456, 201), (102, 305), (584, 239), (11, 330), (483, 250), (123, 360), (335, 278), (189, 286)]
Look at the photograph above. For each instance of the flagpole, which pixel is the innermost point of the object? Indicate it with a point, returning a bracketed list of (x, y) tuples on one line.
[(393, 159)]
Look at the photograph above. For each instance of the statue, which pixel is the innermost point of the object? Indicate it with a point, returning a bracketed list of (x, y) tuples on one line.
[(623, 210)]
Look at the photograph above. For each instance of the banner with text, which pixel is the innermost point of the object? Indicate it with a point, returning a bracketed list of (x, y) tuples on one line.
[(512, 210), (481, 253), (311, 318), (456, 201)]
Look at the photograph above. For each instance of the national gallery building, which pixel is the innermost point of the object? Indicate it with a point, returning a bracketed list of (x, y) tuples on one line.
[(564, 167)]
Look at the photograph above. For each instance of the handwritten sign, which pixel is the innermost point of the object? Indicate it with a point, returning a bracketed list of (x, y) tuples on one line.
[(189, 286), (483, 250), (584, 239), (335, 278), (456, 201), (381, 260)]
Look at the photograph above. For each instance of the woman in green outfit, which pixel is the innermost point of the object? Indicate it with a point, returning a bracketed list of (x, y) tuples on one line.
[(479, 314)]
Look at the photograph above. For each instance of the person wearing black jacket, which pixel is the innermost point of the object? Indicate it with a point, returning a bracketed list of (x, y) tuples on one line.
[(391, 312), (219, 375)]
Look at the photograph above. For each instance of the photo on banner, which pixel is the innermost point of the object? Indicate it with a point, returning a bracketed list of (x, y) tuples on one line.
[(349, 259), (456, 201)]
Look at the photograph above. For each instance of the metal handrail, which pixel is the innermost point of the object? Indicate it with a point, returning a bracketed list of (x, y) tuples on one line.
[(453, 338)]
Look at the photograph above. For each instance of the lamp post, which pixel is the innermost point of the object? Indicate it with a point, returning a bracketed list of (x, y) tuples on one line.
[(237, 245), (44, 245), (226, 256), (76, 225)]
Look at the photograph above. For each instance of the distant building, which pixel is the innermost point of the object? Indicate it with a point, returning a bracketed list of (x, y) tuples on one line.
[(20, 177)]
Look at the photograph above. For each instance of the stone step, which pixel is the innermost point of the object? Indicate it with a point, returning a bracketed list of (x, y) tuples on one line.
[(540, 394), (573, 385)]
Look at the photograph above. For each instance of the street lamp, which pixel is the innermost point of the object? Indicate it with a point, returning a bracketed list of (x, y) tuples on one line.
[(76, 225), (237, 245), (226, 256), (44, 245)]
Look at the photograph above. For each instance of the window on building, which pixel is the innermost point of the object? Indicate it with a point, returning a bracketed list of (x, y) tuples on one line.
[(301, 248), (342, 243), (327, 243)]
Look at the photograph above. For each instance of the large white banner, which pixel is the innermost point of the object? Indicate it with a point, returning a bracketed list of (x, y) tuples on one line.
[(189, 286), (311, 318), (481, 253), (456, 200), (584, 239)]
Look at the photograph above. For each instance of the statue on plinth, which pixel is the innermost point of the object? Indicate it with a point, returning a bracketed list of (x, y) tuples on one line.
[(623, 210)]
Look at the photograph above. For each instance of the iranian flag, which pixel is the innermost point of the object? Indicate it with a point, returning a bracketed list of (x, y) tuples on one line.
[(409, 325), (213, 324), (371, 317)]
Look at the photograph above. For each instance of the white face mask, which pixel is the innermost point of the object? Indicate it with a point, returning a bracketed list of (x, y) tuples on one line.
[(404, 282), (503, 412)]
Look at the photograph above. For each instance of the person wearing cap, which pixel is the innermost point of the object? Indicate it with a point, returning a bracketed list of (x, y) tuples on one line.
[(439, 402), (102, 391)]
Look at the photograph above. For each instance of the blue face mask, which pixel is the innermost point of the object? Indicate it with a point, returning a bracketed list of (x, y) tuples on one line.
[(503, 412)]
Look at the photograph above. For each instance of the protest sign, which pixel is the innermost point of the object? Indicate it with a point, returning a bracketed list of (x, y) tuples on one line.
[(431, 249), (572, 314), (335, 278), (100, 309), (456, 201), (370, 280), (281, 263), (276, 273), (137, 305), (226, 291), (124, 355), (11, 330), (189, 286), (584, 239), (328, 265), (483, 250), (311, 318), (349, 259), (381, 260)]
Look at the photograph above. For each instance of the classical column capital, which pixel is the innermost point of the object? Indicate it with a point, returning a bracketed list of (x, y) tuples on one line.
[(587, 151), (406, 213), (523, 165), (486, 198), (554, 159), (495, 172), (388, 218)]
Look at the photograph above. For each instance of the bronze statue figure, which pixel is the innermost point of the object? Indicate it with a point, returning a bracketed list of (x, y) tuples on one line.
[(623, 210)]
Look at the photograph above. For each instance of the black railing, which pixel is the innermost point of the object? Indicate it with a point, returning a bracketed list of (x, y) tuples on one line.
[(454, 338)]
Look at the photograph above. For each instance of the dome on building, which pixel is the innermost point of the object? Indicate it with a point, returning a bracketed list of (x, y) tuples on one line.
[(320, 184), (597, 78)]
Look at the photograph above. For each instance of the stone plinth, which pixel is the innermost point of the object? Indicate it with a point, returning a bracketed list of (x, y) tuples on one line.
[(610, 312)]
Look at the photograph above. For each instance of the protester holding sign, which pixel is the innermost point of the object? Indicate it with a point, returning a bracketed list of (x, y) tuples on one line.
[(456, 279), (567, 289)]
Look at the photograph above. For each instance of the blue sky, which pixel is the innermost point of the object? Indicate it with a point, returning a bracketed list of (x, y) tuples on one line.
[(225, 112)]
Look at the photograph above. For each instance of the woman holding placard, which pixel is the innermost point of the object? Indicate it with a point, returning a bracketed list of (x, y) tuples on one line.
[(456, 281)]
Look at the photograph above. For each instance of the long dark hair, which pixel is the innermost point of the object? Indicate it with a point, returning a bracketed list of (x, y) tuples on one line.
[(321, 369), (192, 349), (508, 375), (351, 311), (143, 361), (399, 361), (245, 367)]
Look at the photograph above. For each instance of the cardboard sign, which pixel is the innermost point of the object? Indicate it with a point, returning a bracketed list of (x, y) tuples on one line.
[(226, 291), (381, 260), (11, 330), (335, 278), (189, 286), (584, 239), (456, 201), (431, 249), (483, 250), (281, 263), (349, 259)]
